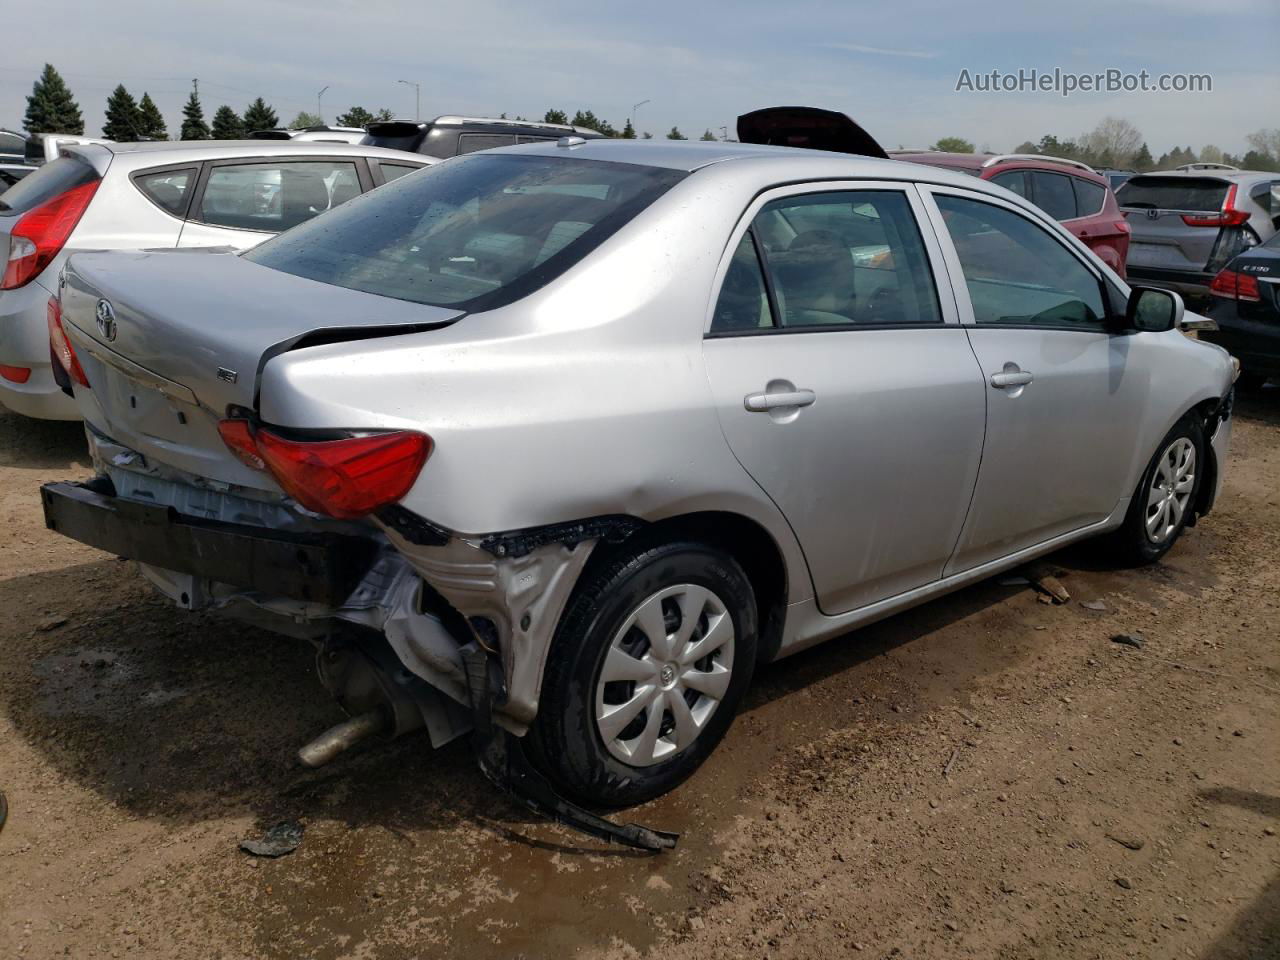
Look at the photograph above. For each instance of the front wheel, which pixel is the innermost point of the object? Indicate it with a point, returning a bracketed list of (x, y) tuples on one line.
[(1166, 496), (645, 674)]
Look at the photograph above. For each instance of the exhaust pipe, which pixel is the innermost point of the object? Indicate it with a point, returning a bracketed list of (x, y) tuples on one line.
[(342, 737)]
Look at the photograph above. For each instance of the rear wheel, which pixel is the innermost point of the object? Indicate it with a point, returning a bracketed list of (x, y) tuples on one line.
[(645, 674), (1166, 496)]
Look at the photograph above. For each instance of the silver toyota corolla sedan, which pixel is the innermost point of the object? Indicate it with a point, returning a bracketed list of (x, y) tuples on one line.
[(559, 442)]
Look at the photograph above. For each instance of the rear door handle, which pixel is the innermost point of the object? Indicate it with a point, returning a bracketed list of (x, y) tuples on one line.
[(764, 402), (1011, 378)]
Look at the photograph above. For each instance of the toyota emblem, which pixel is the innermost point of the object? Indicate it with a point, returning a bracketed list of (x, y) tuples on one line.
[(106, 316)]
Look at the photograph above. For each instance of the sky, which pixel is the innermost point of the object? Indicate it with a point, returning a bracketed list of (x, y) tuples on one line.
[(893, 67)]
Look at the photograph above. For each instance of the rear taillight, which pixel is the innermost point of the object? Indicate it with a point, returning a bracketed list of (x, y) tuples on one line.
[(61, 345), (1123, 226), (1228, 216), (41, 232), (1235, 286), (346, 478)]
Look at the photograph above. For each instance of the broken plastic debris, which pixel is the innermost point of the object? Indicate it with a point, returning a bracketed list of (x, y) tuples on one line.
[(283, 838), (1134, 640)]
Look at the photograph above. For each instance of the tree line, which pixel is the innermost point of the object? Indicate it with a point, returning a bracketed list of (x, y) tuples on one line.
[(1116, 143), (51, 108)]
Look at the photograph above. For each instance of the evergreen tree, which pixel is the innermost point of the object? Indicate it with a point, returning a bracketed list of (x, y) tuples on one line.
[(628, 131), (356, 117), (586, 119), (227, 124), (304, 119), (675, 134), (51, 108), (259, 116), (707, 135), (151, 119), (193, 125), (124, 121), (385, 114), (555, 116), (1142, 161), (1257, 160)]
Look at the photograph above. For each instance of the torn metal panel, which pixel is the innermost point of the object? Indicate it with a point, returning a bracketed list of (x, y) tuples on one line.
[(523, 596)]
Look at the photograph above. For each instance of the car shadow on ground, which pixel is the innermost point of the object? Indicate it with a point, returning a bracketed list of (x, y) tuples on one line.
[(41, 444)]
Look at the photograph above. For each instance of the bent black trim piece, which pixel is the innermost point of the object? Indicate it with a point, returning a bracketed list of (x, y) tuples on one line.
[(503, 761), (320, 568), (516, 543), (417, 530)]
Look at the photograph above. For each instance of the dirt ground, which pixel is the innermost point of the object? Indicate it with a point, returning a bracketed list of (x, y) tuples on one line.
[(984, 776)]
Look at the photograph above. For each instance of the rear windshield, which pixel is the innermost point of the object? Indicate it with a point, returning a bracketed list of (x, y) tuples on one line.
[(1173, 193), (474, 232), (54, 178)]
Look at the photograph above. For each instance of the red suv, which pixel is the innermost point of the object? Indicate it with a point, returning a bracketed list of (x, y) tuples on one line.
[(1069, 191)]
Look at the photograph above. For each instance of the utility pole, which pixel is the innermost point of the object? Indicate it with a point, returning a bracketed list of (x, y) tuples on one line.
[(417, 97), (635, 109), (319, 105)]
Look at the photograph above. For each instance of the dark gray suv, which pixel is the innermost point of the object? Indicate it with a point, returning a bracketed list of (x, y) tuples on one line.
[(450, 136), (1186, 224)]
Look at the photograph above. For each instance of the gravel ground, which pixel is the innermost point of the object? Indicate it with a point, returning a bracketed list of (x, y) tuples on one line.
[(984, 776)]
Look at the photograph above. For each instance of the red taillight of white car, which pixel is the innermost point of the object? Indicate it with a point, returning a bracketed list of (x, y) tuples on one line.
[(41, 232), (347, 478), (61, 345), (1235, 286), (1228, 216)]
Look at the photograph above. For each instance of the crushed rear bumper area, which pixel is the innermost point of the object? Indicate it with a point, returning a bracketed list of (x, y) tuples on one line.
[(317, 567)]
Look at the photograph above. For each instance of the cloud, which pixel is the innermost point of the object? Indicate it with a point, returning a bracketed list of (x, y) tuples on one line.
[(881, 51)]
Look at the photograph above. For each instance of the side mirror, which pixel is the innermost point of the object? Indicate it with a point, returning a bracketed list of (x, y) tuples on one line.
[(1153, 310)]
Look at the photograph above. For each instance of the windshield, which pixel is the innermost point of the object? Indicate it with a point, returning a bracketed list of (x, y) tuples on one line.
[(474, 232)]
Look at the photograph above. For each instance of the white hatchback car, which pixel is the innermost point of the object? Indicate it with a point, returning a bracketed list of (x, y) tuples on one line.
[(128, 196)]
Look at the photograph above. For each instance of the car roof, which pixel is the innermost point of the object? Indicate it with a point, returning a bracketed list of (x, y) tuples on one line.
[(1211, 174), (158, 151), (978, 162), (781, 163)]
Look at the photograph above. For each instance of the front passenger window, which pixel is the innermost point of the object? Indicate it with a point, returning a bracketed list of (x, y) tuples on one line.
[(1016, 273)]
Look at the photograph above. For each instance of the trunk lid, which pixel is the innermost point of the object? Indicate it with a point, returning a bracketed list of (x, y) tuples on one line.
[(808, 127), (170, 341), (1154, 207)]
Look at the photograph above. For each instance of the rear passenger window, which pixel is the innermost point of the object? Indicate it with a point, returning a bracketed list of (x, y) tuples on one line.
[(1089, 197), (394, 171), (743, 303), (1015, 180), (167, 189), (1053, 194), (843, 258), (471, 142), (275, 196)]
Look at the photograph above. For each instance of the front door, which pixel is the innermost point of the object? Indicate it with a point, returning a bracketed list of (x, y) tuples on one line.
[(845, 387), (1064, 393)]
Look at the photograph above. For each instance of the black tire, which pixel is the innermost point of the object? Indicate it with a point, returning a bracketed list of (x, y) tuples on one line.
[(565, 740), (1132, 541)]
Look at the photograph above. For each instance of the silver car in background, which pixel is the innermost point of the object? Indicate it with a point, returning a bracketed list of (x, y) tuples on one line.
[(1187, 223), (190, 194), (558, 442)]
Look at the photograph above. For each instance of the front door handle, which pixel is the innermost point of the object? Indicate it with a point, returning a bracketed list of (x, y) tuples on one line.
[(1011, 378), (764, 402)]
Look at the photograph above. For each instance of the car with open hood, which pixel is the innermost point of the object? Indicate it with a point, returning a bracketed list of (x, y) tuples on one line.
[(555, 444)]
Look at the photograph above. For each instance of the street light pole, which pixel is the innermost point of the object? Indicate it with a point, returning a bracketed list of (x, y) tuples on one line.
[(635, 109), (319, 105), (417, 98)]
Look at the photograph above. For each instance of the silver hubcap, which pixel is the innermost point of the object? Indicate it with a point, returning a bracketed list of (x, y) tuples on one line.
[(665, 674), (1171, 488)]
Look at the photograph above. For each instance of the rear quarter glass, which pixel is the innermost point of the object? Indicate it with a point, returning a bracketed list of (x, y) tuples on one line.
[(475, 233), (53, 179)]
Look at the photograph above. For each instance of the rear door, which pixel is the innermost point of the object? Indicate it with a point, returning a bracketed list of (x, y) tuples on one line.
[(1064, 395), (1158, 208), (845, 386), (239, 203)]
